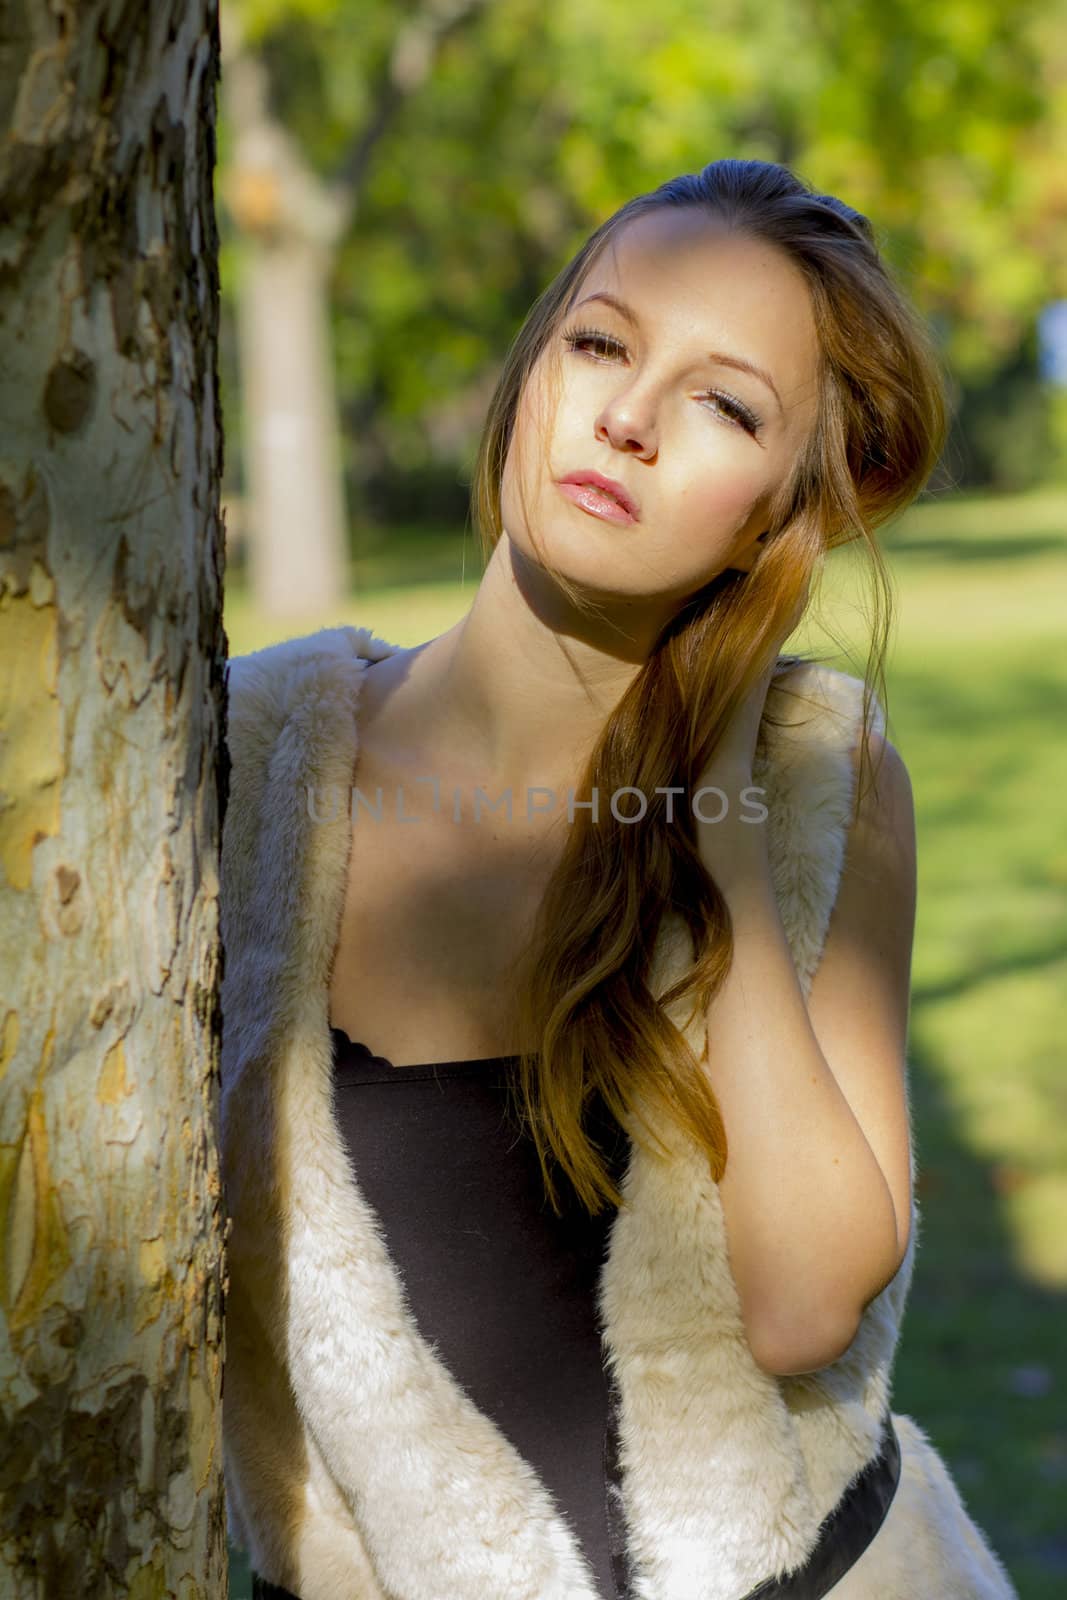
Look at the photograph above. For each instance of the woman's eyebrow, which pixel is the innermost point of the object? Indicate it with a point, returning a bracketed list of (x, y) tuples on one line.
[(722, 356)]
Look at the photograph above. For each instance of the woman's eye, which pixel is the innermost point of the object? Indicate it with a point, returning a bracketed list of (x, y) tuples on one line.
[(582, 336), (733, 410)]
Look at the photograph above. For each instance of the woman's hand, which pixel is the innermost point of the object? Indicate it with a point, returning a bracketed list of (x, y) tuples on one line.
[(737, 841), (735, 751)]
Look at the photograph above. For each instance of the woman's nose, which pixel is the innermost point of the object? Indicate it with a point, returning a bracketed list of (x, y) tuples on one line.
[(626, 424)]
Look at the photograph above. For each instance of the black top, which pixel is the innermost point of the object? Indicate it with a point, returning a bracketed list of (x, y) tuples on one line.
[(503, 1289)]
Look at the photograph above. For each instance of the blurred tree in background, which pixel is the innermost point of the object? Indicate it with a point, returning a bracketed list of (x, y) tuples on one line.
[(531, 120)]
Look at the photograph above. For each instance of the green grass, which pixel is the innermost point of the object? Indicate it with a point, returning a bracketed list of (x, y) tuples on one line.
[(977, 681)]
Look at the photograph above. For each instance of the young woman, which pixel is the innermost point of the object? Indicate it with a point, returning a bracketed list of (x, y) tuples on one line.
[(567, 1141)]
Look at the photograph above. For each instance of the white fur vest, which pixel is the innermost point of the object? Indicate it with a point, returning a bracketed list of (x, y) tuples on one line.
[(356, 1467)]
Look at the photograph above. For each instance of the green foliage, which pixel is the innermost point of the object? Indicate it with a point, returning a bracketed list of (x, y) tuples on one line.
[(945, 124)]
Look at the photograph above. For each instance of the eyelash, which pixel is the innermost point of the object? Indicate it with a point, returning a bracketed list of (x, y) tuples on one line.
[(742, 416)]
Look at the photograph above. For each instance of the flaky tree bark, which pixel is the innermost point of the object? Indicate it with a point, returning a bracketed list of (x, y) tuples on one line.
[(111, 658)]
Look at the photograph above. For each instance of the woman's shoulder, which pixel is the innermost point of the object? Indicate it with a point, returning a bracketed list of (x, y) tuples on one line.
[(287, 707), (268, 680), (827, 764), (811, 704), (266, 687), (290, 723)]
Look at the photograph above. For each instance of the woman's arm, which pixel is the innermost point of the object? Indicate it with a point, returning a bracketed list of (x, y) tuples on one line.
[(816, 1195)]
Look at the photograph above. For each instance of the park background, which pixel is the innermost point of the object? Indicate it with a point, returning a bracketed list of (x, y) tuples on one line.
[(397, 184)]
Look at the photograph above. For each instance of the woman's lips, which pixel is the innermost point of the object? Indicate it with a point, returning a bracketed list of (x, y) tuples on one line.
[(595, 501)]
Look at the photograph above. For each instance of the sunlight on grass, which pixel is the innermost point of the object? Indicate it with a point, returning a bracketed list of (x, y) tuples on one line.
[(403, 616), (999, 1042)]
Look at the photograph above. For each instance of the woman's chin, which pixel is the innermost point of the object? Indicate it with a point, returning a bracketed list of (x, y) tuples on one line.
[(596, 560), (640, 612)]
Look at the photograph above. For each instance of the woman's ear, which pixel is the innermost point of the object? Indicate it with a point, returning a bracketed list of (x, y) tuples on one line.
[(745, 559)]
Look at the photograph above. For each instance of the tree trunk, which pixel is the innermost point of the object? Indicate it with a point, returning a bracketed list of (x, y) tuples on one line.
[(111, 792), (297, 551), (289, 220)]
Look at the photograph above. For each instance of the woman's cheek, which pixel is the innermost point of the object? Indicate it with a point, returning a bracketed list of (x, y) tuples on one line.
[(725, 499), (524, 468)]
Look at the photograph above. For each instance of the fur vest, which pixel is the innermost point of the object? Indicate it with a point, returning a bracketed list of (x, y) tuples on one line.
[(356, 1466)]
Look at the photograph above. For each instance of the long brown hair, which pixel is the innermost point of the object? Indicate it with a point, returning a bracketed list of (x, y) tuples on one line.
[(583, 989)]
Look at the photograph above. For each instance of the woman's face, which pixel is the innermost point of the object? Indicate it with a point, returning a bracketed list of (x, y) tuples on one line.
[(636, 405)]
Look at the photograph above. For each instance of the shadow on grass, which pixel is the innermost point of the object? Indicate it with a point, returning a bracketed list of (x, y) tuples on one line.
[(1004, 966), (960, 704), (981, 737), (980, 1364), (942, 547)]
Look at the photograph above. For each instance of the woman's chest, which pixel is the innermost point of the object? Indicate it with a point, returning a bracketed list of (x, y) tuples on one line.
[(438, 917)]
